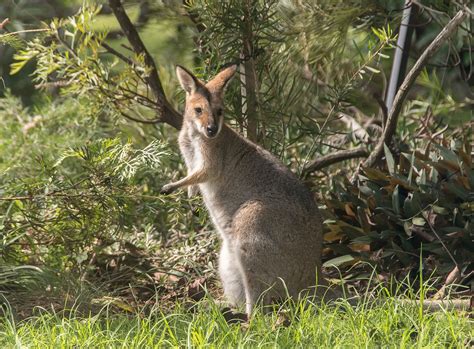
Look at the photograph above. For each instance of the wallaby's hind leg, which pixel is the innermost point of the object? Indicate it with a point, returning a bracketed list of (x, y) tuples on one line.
[(275, 263), (255, 292), (231, 276)]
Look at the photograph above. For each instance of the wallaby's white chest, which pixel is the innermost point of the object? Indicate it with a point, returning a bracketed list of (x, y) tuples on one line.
[(197, 161), (192, 151)]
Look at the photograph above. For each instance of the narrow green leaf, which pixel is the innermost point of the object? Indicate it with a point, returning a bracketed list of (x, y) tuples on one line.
[(19, 204), (412, 166), (396, 200), (373, 70), (418, 221), (390, 160), (338, 261)]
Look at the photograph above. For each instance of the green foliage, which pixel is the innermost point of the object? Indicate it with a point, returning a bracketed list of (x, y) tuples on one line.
[(420, 205), (25, 19), (79, 182), (79, 188), (11, 40), (71, 59), (68, 195), (19, 277), (305, 75)]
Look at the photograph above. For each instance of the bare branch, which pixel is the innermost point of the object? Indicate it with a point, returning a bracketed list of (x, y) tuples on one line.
[(25, 31), (432, 305), (334, 158), (453, 277), (4, 22), (166, 112), (391, 125), (143, 121), (427, 219), (116, 53)]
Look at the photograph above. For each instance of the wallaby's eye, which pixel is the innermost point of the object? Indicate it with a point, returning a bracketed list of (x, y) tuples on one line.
[(198, 110), (219, 112)]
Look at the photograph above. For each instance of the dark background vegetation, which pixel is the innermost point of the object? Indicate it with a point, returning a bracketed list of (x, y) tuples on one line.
[(86, 141)]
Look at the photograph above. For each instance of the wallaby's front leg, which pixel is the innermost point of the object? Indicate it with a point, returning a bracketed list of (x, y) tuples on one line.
[(193, 190), (199, 176)]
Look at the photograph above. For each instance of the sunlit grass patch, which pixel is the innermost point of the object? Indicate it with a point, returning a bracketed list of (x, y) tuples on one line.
[(385, 323)]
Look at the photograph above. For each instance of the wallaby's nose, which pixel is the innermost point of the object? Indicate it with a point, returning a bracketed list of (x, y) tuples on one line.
[(211, 130)]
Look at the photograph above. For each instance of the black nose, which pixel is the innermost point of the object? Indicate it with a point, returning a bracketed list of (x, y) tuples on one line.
[(211, 130)]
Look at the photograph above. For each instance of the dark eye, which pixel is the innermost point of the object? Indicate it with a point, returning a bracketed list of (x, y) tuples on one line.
[(219, 112), (198, 110)]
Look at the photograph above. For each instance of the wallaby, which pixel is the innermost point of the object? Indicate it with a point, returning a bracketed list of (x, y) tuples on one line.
[(268, 220)]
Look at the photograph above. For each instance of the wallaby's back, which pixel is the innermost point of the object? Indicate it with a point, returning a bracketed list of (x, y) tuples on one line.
[(248, 172)]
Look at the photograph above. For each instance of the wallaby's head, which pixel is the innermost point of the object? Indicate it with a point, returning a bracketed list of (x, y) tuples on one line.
[(204, 101)]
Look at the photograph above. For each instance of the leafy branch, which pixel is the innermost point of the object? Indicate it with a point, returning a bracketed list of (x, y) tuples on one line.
[(409, 80), (72, 61), (165, 111), (394, 112)]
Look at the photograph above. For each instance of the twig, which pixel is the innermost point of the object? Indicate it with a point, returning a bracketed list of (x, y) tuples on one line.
[(421, 233), (166, 112), (391, 125), (25, 31), (143, 121), (453, 277), (437, 305), (333, 158), (383, 107), (4, 23), (426, 217), (116, 53), (66, 45)]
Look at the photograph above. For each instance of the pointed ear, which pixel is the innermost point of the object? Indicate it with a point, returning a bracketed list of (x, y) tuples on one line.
[(221, 80), (187, 80)]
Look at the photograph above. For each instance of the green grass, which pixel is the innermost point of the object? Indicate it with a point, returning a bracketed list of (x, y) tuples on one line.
[(387, 324)]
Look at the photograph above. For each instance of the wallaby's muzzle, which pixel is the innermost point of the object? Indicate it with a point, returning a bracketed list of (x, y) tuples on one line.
[(211, 130)]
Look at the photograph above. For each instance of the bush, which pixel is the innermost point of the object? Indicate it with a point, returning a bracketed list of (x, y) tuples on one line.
[(417, 208), (70, 197)]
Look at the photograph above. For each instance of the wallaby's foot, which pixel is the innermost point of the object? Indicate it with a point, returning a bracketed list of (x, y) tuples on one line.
[(234, 318), (244, 326), (167, 189), (282, 320)]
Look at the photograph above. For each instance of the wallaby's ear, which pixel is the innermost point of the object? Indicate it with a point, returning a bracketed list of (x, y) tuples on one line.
[(187, 80), (221, 80)]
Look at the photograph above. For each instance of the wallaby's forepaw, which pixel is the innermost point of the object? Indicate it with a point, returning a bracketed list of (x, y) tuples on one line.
[(167, 189)]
